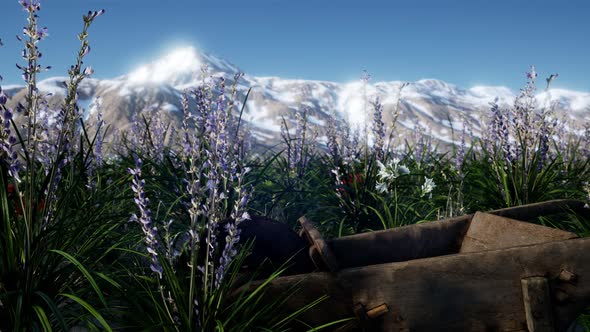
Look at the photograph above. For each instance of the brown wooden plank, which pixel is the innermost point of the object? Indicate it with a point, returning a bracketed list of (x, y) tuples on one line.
[(319, 245), (537, 304), (429, 239), (488, 231), (534, 210), (462, 292)]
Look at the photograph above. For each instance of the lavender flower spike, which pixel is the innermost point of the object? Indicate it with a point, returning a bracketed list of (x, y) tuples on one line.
[(378, 129), (7, 139), (145, 218)]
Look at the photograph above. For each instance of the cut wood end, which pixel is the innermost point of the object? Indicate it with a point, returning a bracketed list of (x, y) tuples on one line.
[(567, 276)]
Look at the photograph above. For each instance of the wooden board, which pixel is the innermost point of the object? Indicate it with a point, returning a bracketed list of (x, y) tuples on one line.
[(320, 252), (488, 231), (461, 292), (429, 239), (537, 304), (534, 210)]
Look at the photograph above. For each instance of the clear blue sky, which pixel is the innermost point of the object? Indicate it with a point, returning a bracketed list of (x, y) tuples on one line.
[(465, 42)]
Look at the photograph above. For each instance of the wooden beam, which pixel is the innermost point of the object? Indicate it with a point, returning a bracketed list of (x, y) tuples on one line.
[(537, 304), (319, 249)]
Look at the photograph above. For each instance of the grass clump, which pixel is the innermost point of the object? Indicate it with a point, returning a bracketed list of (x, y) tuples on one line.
[(147, 236)]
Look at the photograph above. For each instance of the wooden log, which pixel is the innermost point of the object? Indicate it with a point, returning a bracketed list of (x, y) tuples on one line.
[(463, 292), (537, 304)]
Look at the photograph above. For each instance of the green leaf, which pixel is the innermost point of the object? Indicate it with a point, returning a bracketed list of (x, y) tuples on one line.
[(84, 271), (54, 309), (90, 309), (42, 318)]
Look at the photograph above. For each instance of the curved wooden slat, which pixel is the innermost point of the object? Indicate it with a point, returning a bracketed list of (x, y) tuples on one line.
[(319, 246)]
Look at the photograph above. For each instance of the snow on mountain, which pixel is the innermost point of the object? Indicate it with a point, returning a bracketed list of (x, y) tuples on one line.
[(433, 105), (574, 101)]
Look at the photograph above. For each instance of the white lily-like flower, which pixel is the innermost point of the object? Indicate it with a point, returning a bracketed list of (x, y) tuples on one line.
[(427, 187), (383, 173), (392, 170), (381, 187), (402, 169)]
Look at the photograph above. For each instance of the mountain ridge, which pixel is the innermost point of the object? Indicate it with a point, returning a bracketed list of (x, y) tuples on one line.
[(438, 106)]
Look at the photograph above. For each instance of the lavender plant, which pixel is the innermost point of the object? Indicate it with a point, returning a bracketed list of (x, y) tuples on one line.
[(191, 288), (522, 165), (378, 129), (47, 280)]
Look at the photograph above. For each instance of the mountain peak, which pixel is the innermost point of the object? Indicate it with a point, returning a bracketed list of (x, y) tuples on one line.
[(180, 67), (168, 67)]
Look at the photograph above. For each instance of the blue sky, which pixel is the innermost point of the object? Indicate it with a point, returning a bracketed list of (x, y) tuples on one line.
[(464, 42)]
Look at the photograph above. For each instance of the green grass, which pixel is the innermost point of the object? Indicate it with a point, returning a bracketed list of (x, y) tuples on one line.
[(70, 257)]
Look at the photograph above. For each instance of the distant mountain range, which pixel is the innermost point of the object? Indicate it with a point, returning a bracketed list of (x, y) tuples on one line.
[(435, 106)]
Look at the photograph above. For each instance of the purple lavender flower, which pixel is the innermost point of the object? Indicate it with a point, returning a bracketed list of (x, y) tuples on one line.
[(188, 139), (500, 134), (145, 219), (547, 125), (365, 76), (30, 5), (92, 15), (238, 214), (98, 156), (88, 70), (8, 139), (378, 129), (532, 75), (136, 134), (332, 135), (158, 135), (460, 156), (300, 128), (524, 119), (41, 34)]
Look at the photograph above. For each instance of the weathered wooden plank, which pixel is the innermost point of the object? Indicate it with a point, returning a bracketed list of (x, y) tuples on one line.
[(429, 239), (488, 231), (534, 210), (319, 247), (400, 244), (537, 304), (461, 292)]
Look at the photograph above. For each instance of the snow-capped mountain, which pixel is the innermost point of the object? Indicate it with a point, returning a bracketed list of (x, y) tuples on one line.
[(431, 106)]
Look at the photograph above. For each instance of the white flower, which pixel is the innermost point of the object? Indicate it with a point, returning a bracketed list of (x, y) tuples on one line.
[(392, 170), (403, 169), (383, 173), (427, 187), (381, 187)]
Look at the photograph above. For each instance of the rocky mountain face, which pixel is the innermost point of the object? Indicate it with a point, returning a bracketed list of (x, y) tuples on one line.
[(431, 107)]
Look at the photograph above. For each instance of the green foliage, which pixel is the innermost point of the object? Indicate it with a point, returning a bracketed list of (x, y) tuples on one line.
[(69, 256)]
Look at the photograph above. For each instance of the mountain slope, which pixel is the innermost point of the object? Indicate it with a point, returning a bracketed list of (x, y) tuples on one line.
[(430, 106)]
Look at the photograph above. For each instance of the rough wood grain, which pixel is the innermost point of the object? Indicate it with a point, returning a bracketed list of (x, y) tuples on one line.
[(460, 292), (319, 246), (429, 239), (537, 304), (534, 210), (488, 231)]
